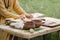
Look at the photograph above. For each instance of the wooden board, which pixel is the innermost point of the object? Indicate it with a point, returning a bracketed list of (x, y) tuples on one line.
[(24, 34), (51, 22)]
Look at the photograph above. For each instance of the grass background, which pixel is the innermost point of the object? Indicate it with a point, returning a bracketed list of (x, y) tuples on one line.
[(50, 8)]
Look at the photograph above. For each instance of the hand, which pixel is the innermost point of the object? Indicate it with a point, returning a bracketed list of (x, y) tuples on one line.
[(29, 15), (22, 16)]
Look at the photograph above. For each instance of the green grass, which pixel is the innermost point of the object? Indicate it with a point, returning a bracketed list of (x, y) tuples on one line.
[(48, 7)]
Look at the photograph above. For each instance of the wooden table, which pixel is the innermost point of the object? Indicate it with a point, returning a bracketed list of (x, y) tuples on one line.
[(28, 35)]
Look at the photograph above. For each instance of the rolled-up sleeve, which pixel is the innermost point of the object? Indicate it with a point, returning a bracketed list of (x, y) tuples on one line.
[(4, 12), (18, 9)]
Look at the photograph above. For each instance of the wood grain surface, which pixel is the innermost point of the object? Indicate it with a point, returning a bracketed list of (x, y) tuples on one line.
[(24, 34)]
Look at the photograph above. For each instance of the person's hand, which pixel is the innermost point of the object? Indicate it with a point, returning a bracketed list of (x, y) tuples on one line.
[(29, 15), (22, 16)]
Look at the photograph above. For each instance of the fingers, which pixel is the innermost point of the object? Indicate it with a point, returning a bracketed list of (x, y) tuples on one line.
[(29, 16), (22, 16)]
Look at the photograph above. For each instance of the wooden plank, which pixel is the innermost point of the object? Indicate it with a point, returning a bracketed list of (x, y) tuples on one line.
[(51, 22), (21, 33), (28, 35)]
